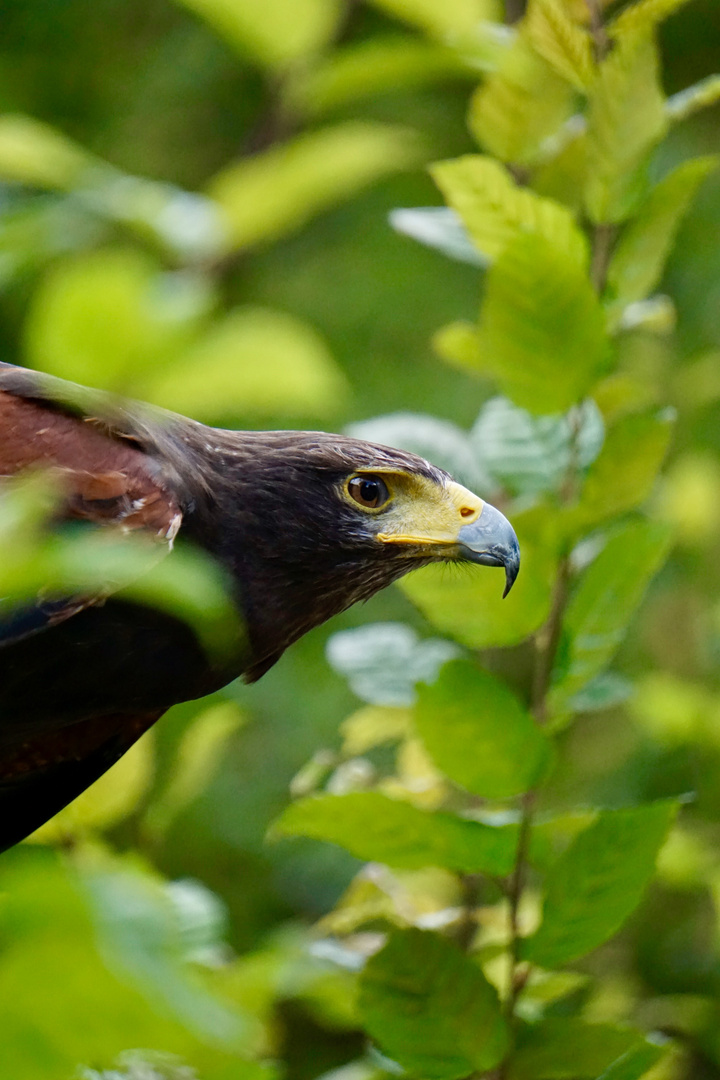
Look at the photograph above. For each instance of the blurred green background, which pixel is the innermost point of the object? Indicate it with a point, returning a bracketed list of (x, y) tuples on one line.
[(195, 211)]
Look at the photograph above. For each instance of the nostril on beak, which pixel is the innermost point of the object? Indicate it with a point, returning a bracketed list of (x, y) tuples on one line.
[(466, 511)]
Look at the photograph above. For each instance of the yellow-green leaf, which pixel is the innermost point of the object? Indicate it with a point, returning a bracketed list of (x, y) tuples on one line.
[(565, 45), (35, 153)]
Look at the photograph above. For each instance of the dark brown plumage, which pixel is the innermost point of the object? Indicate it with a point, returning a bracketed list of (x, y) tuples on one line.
[(305, 523)]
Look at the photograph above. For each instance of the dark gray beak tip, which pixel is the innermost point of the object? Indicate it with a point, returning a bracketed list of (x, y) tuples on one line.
[(491, 541)]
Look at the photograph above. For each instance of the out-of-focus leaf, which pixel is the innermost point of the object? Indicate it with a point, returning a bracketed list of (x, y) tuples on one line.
[(202, 921), (374, 725), (442, 20), (693, 98), (376, 828), (567, 1048), (689, 499), (274, 32), (431, 1008), (623, 475), (496, 210), (642, 16), (383, 661), (459, 344), (603, 692), (603, 603), (565, 45), (106, 802), (626, 119), (656, 315), (596, 884), (635, 1063), (438, 227), (639, 259), (520, 106), (562, 170), (542, 334), (196, 760), (469, 606), (105, 317), (439, 441), (479, 733), (252, 361), (376, 66), (34, 153), (529, 454), (277, 191)]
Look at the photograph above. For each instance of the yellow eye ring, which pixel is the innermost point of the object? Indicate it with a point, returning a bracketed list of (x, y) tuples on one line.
[(368, 490)]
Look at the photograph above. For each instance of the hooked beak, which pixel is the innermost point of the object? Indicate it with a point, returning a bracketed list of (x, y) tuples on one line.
[(491, 541)]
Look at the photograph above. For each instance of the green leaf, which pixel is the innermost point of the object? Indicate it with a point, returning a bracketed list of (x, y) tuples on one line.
[(635, 1063), (374, 725), (565, 45), (625, 471), (34, 153), (442, 20), (479, 733), (105, 317), (376, 828), (279, 190), (520, 106), (253, 361), (603, 603), (496, 210), (430, 1007), (274, 32), (605, 691), (383, 661), (693, 98), (626, 120), (379, 65), (437, 227), (437, 440), (639, 259), (529, 454), (568, 1048), (542, 332), (643, 16), (470, 607), (597, 883)]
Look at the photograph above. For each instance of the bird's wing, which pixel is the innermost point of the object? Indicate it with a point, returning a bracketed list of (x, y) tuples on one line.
[(103, 472)]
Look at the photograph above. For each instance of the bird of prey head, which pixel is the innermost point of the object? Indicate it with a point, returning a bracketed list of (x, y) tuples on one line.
[(305, 524)]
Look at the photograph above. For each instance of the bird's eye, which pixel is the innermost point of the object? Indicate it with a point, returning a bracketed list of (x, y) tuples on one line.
[(369, 491)]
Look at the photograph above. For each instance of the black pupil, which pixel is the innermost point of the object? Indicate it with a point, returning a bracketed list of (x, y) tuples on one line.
[(368, 491)]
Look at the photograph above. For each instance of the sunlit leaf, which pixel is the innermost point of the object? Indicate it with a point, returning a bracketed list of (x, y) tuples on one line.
[(375, 66), (36, 154), (431, 1008), (469, 606), (542, 334), (438, 227), (520, 106), (623, 475), (103, 318), (562, 42), (656, 315), (596, 884), (479, 733), (603, 603), (277, 191), (374, 725), (626, 119), (383, 661), (442, 20), (698, 96), (275, 32), (496, 210), (568, 1048), (374, 827), (440, 441), (642, 16), (636, 1063), (529, 454), (252, 361)]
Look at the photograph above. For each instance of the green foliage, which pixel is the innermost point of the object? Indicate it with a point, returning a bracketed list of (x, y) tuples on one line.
[(508, 795), (431, 1008)]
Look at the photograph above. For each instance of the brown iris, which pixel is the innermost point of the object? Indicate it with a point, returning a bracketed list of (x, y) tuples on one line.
[(369, 491)]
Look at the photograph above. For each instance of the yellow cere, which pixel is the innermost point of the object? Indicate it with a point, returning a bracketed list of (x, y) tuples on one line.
[(423, 512)]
